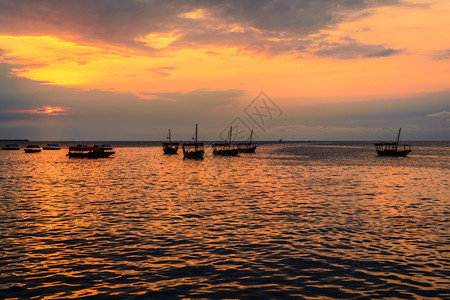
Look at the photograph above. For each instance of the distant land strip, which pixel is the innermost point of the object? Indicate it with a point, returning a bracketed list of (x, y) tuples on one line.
[(15, 140)]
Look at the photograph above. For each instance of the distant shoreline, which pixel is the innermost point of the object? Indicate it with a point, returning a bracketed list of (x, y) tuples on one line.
[(14, 140), (211, 141)]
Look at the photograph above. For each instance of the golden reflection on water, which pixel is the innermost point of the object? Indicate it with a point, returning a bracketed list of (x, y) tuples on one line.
[(291, 220)]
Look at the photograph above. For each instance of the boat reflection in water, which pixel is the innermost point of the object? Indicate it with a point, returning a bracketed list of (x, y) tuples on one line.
[(84, 151)]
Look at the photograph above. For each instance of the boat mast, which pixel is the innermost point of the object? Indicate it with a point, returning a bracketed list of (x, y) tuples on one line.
[(170, 139), (196, 128), (251, 136), (231, 130), (398, 136)]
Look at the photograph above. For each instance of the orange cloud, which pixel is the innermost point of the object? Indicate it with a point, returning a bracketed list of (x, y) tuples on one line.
[(46, 110), (389, 51)]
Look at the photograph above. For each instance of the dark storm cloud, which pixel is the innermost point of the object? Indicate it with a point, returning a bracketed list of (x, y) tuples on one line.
[(113, 21), (125, 22), (294, 16)]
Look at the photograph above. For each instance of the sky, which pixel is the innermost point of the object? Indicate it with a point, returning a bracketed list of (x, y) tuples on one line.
[(106, 70)]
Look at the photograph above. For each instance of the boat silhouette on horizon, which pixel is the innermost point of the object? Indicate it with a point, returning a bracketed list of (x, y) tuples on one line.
[(226, 148), (84, 151), (393, 148), (170, 148), (193, 150), (247, 147)]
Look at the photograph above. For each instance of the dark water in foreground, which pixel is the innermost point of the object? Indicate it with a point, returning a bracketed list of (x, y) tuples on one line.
[(293, 220)]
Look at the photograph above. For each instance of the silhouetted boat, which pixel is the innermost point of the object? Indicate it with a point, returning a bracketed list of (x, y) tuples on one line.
[(11, 147), (83, 151), (392, 148), (170, 148), (52, 147), (248, 147), (193, 150), (104, 147), (226, 148), (32, 149)]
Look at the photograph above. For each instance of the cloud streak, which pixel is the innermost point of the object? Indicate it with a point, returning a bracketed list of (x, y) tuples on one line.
[(47, 110), (445, 115), (353, 49)]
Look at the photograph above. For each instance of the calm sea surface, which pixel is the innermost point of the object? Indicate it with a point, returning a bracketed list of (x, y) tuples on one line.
[(306, 220)]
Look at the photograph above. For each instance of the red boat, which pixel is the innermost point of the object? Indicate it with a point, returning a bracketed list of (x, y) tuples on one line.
[(90, 152)]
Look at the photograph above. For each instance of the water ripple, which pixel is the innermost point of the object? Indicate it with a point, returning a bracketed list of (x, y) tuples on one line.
[(292, 221)]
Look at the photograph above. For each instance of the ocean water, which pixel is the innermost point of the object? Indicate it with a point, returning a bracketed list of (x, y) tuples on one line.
[(299, 220)]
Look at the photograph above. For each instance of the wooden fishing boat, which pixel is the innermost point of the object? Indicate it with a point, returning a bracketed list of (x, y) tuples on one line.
[(393, 148), (52, 147), (226, 148), (83, 151), (193, 150), (170, 148), (11, 147), (248, 147), (33, 149)]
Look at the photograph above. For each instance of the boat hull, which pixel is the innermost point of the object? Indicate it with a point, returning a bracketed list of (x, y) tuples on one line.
[(247, 150), (51, 148), (94, 154), (170, 151), (32, 150), (226, 152), (170, 148), (10, 149), (194, 154), (393, 153)]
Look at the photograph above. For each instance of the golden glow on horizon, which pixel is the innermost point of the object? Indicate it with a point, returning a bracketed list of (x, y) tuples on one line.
[(420, 33)]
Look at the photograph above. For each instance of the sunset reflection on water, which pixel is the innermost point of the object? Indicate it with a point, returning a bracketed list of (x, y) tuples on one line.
[(293, 220)]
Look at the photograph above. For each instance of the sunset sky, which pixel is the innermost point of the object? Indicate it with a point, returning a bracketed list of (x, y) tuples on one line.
[(130, 70)]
